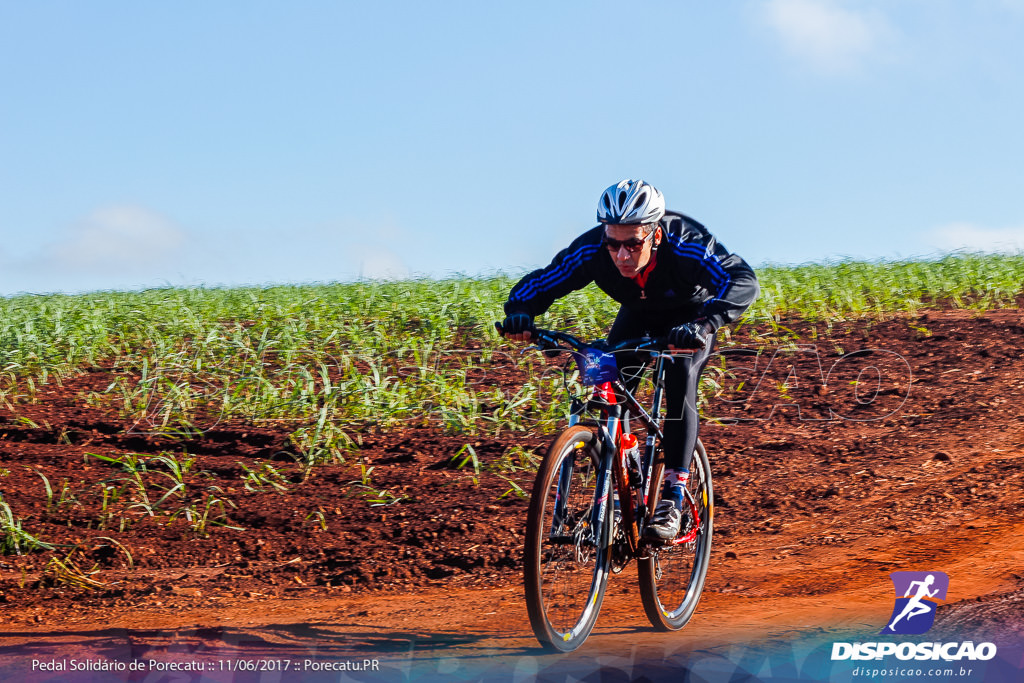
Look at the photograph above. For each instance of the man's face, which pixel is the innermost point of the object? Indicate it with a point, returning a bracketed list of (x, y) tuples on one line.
[(630, 261)]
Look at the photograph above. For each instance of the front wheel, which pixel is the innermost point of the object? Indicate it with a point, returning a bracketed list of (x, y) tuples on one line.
[(672, 576), (566, 564)]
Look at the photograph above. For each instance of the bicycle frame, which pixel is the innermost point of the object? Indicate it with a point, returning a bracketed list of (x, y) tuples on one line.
[(618, 406), (574, 543), (614, 422), (653, 424)]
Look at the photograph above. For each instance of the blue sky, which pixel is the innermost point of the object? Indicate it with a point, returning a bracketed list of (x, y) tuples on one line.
[(147, 144)]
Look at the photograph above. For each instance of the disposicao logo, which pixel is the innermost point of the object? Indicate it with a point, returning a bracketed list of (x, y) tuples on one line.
[(916, 595), (914, 613)]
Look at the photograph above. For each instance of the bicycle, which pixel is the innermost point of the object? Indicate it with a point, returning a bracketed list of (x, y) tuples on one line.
[(574, 537)]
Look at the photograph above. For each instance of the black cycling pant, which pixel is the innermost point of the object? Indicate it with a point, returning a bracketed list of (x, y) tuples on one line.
[(682, 377)]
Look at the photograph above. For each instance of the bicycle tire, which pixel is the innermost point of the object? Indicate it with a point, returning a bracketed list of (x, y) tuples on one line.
[(672, 576), (565, 580)]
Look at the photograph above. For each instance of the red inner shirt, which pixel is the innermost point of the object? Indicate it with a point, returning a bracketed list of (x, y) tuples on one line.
[(641, 278)]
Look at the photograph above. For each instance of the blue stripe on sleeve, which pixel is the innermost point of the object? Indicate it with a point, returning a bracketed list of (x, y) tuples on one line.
[(719, 277), (557, 276)]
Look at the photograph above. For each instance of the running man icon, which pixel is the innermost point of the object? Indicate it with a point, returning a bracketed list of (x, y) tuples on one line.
[(914, 612)]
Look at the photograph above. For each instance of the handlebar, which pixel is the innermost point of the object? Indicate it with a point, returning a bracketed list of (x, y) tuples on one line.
[(553, 339)]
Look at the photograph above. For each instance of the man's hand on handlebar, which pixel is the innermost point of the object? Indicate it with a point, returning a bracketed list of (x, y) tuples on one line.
[(689, 337), (517, 327)]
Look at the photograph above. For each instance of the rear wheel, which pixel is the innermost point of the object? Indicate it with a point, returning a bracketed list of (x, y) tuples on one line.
[(672, 576), (566, 566)]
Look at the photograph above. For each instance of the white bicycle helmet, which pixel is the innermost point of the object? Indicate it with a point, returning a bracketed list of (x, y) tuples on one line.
[(629, 202)]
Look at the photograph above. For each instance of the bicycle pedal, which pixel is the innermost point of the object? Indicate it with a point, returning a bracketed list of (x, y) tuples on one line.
[(653, 542)]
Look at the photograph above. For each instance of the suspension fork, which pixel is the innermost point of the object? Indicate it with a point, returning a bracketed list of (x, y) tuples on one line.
[(564, 480), (611, 426)]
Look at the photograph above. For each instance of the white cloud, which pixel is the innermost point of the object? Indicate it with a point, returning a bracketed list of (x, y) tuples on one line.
[(825, 35), (972, 237), (378, 263), (115, 247), (122, 237), (130, 247)]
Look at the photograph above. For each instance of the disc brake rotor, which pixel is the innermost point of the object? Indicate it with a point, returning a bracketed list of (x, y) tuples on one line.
[(581, 545)]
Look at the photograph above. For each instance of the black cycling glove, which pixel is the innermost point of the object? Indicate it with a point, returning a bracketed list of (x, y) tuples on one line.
[(517, 323), (695, 335)]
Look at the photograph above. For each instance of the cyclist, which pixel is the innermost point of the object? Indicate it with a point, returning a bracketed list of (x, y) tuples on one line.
[(673, 279)]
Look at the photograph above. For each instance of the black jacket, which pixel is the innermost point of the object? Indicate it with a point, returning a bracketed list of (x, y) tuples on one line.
[(694, 274)]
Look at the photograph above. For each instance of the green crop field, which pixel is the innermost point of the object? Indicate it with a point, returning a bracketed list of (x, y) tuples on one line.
[(327, 357), (320, 371)]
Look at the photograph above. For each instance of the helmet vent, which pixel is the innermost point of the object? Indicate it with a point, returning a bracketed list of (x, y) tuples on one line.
[(622, 200)]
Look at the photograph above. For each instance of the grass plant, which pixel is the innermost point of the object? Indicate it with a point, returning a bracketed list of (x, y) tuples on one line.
[(319, 518), (13, 538), (207, 512), (65, 572), (263, 477)]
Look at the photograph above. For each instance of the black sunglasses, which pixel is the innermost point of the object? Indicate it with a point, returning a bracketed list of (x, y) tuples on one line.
[(632, 245)]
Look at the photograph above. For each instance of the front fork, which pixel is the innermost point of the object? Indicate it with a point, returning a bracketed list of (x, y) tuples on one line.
[(610, 427), (599, 509), (602, 488)]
